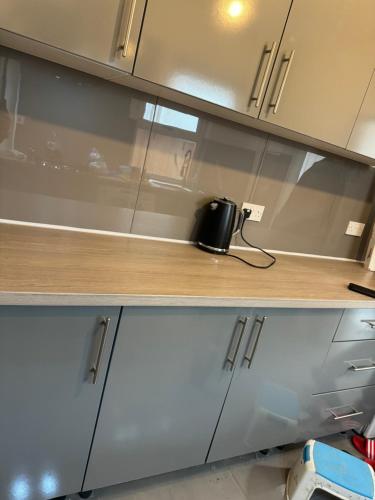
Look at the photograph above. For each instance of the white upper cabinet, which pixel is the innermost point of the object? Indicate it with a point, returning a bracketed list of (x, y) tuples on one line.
[(323, 68), (221, 51), (362, 139), (103, 30)]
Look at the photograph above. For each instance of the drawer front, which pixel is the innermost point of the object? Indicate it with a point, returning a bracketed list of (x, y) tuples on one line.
[(339, 411), (356, 324), (348, 365)]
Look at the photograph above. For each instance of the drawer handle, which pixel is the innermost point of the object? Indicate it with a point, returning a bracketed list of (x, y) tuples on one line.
[(370, 322), (356, 368), (353, 413), (236, 342), (95, 367), (249, 355)]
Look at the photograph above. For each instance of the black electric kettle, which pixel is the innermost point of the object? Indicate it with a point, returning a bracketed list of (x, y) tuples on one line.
[(217, 225)]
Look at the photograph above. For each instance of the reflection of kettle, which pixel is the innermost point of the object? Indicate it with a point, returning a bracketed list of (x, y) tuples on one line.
[(217, 225)]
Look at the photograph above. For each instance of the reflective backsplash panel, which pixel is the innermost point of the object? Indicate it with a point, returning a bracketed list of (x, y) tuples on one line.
[(80, 151)]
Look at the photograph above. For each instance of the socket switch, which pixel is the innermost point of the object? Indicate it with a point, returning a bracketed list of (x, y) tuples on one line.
[(355, 228), (256, 211)]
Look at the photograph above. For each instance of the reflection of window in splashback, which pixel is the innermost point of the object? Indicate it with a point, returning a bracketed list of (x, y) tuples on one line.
[(171, 117), (84, 152)]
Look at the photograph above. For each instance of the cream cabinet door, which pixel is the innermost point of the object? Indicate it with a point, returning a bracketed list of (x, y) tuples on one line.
[(362, 139), (323, 68), (221, 51), (103, 30)]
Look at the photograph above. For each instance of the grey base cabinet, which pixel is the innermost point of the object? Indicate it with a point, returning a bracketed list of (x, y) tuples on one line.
[(340, 411), (49, 403), (165, 390), (274, 380)]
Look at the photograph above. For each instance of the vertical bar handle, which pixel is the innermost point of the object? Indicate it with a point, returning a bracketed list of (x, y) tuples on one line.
[(271, 52), (125, 42), (289, 61), (95, 367), (249, 354), (236, 342)]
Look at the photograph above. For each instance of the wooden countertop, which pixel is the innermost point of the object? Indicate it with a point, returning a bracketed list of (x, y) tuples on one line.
[(59, 267)]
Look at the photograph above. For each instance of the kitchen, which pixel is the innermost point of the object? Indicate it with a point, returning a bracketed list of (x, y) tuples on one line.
[(126, 351)]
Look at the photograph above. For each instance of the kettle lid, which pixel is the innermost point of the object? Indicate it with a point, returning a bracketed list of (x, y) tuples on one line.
[(225, 200)]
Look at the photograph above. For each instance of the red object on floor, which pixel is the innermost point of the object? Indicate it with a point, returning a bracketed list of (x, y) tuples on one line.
[(366, 447), (359, 444), (370, 462)]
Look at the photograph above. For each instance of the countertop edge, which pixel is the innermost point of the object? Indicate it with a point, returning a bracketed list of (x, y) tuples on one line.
[(78, 299)]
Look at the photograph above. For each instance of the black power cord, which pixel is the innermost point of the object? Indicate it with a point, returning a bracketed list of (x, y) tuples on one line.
[(246, 215)]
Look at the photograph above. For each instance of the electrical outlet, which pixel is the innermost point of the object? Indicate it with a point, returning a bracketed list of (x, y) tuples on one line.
[(256, 211), (354, 228)]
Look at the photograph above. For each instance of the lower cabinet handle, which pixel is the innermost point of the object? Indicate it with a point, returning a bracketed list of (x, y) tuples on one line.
[(289, 61), (95, 367), (249, 354), (356, 368), (353, 413), (370, 322), (236, 342)]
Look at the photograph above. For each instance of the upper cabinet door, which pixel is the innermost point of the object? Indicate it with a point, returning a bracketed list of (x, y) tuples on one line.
[(221, 51), (362, 139), (105, 31), (323, 68)]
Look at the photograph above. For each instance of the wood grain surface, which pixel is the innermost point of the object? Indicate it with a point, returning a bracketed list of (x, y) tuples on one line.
[(48, 266)]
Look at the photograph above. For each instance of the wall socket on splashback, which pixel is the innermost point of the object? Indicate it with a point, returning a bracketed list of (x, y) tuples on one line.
[(354, 228), (256, 211)]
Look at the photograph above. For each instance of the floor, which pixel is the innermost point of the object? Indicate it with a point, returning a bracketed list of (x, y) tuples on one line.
[(254, 477)]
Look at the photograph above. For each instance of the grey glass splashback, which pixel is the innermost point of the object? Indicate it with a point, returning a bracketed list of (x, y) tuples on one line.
[(79, 151)]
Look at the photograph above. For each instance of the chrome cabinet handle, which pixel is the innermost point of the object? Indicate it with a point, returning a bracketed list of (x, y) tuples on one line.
[(370, 322), (236, 342), (95, 366), (125, 42), (353, 413), (356, 368), (271, 52), (249, 354), (289, 61)]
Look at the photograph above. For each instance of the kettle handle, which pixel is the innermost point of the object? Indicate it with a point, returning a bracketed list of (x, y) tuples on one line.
[(240, 220)]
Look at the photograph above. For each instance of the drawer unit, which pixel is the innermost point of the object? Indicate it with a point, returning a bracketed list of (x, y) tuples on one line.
[(348, 365), (339, 411), (356, 324)]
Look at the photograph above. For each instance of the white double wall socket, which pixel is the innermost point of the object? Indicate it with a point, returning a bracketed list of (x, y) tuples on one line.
[(354, 228), (256, 211)]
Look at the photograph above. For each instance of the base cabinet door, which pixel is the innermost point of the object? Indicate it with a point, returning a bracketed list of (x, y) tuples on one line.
[(49, 403), (274, 379), (164, 393)]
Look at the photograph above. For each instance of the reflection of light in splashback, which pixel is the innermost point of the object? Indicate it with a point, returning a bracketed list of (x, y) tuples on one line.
[(209, 91), (48, 484), (20, 489), (171, 117)]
